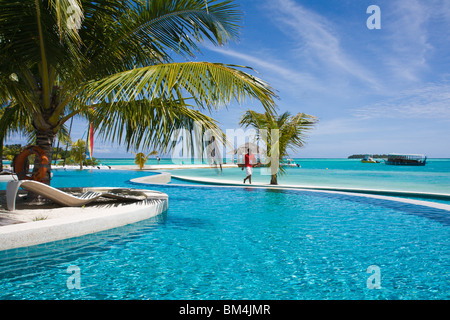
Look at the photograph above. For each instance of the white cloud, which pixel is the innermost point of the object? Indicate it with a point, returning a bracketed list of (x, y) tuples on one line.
[(429, 102), (330, 127), (318, 40), (277, 69), (408, 38)]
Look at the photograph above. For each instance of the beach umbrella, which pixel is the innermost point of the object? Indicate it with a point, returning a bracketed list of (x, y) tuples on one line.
[(254, 148)]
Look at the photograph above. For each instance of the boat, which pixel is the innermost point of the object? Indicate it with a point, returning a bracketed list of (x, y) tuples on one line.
[(368, 159), (290, 163), (406, 159)]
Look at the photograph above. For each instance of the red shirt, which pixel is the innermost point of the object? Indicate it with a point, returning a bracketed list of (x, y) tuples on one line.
[(247, 160)]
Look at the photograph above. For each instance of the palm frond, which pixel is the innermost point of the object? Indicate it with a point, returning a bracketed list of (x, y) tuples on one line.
[(162, 26), (116, 60), (15, 119), (292, 130), (149, 124), (211, 84)]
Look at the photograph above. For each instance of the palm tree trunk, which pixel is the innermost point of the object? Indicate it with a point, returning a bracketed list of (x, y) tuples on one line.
[(1, 154), (44, 140), (274, 179)]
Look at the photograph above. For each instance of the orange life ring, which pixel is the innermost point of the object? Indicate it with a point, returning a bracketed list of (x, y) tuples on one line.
[(20, 164)]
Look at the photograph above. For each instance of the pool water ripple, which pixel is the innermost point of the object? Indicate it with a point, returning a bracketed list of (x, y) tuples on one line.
[(246, 243)]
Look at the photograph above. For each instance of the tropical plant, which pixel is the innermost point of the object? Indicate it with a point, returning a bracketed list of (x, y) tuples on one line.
[(92, 162), (59, 154), (12, 121), (19, 121), (282, 133), (140, 158), (11, 150), (110, 61), (78, 152), (8, 152)]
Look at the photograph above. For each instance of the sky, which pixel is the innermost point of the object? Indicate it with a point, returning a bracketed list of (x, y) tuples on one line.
[(374, 91)]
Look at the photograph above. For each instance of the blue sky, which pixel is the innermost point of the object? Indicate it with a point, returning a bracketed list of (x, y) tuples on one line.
[(374, 91)]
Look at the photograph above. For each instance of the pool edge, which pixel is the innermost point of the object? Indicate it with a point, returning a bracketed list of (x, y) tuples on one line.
[(88, 220)]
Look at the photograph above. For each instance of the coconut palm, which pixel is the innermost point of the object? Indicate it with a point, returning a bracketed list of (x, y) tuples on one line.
[(78, 152), (140, 158), (282, 133), (114, 63)]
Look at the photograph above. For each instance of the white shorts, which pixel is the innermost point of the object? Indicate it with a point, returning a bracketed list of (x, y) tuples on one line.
[(249, 170)]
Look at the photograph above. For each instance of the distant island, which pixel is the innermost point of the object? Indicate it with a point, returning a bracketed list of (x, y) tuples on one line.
[(374, 156)]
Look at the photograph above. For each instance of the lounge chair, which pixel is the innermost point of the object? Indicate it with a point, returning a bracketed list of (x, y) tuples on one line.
[(47, 192), (61, 197)]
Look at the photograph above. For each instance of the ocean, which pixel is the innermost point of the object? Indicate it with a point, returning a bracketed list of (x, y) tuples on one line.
[(434, 177)]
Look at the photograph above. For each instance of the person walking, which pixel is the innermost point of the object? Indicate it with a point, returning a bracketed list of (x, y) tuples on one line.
[(249, 160)]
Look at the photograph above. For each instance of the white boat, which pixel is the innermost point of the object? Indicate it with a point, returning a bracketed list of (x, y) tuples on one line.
[(290, 163), (368, 159)]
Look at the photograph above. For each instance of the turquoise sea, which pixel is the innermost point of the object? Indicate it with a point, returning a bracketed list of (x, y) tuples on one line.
[(434, 177)]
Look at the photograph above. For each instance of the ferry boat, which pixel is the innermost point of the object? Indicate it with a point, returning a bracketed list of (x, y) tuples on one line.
[(406, 159), (368, 159)]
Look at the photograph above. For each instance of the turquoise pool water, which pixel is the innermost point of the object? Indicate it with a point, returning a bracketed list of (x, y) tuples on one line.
[(242, 243)]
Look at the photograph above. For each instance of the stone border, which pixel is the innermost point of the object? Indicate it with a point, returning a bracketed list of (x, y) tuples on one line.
[(73, 222), (159, 178)]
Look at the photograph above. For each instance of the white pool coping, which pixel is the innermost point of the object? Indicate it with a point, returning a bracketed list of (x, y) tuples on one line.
[(68, 222), (160, 178)]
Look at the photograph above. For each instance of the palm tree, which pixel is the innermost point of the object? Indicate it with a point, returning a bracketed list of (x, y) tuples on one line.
[(110, 61), (141, 158), (10, 151), (282, 132), (78, 152)]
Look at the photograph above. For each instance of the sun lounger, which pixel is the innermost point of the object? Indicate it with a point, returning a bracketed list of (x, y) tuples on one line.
[(47, 192), (64, 198)]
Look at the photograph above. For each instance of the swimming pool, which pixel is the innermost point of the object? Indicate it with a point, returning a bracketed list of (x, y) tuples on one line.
[(244, 243)]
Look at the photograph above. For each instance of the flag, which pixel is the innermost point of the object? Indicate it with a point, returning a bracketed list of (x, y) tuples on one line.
[(90, 142)]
